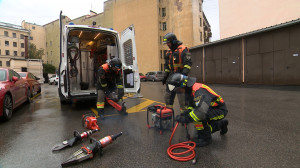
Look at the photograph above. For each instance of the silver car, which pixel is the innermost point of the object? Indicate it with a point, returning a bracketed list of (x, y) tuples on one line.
[(155, 75)]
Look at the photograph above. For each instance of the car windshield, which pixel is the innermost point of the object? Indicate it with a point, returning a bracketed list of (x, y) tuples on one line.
[(3, 76), (22, 74), (142, 74)]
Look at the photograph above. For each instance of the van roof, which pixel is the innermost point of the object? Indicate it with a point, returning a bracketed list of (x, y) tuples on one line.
[(91, 27)]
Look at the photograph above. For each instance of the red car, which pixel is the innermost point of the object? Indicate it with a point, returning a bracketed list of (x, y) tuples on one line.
[(14, 91), (142, 77), (35, 86)]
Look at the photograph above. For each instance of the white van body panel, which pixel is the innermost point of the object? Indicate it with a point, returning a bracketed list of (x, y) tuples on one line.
[(87, 63)]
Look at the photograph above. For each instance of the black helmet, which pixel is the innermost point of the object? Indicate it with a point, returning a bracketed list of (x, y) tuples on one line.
[(115, 62), (170, 37), (179, 80)]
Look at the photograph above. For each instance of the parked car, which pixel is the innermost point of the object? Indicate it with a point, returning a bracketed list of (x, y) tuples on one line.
[(143, 77), (14, 91), (53, 80), (155, 75), (35, 86)]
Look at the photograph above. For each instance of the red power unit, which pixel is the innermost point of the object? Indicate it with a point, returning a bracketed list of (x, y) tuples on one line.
[(161, 117), (89, 121)]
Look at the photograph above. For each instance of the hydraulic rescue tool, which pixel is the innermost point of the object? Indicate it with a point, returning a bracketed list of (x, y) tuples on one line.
[(89, 121), (89, 151), (161, 117), (112, 99), (77, 137)]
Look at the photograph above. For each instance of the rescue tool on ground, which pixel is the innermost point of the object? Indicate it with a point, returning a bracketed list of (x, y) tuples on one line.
[(77, 138), (89, 151), (89, 121)]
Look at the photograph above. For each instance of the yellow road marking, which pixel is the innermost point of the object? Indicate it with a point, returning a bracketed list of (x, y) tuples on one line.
[(140, 106), (35, 96), (97, 116)]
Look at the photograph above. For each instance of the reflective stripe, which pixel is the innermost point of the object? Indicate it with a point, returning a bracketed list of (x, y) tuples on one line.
[(217, 117), (187, 66), (177, 65), (120, 86), (169, 106), (100, 105), (192, 114), (190, 108), (210, 127), (104, 85), (166, 70), (198, 125)]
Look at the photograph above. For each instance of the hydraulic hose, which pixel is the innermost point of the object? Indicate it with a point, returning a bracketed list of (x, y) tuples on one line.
[(184, 145)]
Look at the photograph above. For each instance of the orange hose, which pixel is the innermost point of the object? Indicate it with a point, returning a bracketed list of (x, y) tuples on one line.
[(184, 145)]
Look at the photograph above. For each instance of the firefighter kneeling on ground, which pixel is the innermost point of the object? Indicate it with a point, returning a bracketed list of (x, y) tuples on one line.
[(109, 81), (206, 109)]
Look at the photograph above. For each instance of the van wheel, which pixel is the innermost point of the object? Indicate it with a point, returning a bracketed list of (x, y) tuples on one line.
[(7, 107)]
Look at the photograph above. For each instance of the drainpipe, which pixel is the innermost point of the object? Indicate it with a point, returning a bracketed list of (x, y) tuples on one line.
[(203, 63), (26, 46)]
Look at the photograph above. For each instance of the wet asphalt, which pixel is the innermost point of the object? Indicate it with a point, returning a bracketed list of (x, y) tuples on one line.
[(264, 131)]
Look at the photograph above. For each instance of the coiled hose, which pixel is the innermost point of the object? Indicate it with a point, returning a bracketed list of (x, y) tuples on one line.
[(184, 145)]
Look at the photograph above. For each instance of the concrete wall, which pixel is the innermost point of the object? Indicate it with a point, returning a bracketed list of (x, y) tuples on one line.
[(269, 58), (241, 16)]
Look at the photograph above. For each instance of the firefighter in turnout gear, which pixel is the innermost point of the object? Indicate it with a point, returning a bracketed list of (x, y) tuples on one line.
[(177, 60), (109, 81), (206, 109)]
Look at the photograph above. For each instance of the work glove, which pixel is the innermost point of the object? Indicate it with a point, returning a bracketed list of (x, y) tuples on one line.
[(186, 112), (182, 119)]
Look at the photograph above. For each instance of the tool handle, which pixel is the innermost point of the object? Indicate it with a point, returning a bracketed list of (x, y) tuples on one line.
[(114, 137)]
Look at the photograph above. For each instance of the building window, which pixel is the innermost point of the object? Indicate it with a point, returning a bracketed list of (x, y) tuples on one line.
[(30, 38), (15, 44), (6, 52), (200, 7), (0, 51), (1, 63), (15, 53), (22, 45), (163, 12), (201, 22), (46, 44), (50, 43), (6, 33), (6, 43), (7, 63), (14, 35), (200, 36), (164, 26), (23, 54), (21, 36), (161, 54), (33, 27)]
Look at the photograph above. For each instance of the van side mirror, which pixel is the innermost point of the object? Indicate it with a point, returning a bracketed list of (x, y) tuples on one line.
[(14, 78)]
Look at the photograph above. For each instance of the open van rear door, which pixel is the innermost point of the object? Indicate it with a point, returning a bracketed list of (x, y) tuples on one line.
[(131, 76), (62, 72)]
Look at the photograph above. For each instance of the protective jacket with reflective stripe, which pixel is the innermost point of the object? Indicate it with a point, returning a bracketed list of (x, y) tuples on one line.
[(107, 76), (178, 60), (202, 99)]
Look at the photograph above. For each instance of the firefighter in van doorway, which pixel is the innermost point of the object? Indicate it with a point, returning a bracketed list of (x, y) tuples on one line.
[(177, 60), (206, 109), (109, 78)]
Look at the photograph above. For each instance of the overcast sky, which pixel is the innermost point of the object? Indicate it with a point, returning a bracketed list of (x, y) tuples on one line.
[(42, 12)]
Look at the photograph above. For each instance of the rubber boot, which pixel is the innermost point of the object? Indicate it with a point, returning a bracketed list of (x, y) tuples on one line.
[(203, 137), (101, 113), (224, 128)]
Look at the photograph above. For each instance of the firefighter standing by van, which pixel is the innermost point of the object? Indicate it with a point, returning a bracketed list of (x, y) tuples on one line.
[(207, 109), (177, 60), (109, 81)]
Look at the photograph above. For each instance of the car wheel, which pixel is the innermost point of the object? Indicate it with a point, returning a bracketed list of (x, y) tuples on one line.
[(7, 107), (28, 96)]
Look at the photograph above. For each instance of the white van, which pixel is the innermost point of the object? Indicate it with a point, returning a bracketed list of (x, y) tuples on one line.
[(83, 49)]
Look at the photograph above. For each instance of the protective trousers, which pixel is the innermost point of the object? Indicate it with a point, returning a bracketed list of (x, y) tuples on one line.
[(170, 97)]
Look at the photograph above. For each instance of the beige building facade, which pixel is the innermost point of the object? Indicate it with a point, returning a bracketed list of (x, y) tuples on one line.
[(12, 43), (241, 16), (37, 36), (151, 19)]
